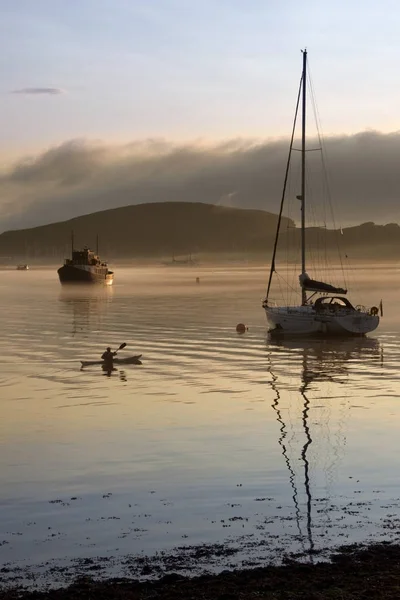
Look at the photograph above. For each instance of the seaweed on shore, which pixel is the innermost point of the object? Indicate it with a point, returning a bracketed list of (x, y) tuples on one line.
[(354, 573)]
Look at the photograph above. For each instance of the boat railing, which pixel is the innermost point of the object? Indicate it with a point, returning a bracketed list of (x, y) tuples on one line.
[(284, 310), (327, 309)]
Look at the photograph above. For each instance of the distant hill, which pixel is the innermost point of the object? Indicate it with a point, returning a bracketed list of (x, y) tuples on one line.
[(180, 228), (146, 230)]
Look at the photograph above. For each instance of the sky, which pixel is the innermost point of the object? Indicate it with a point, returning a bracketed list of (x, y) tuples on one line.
[(118, 73)]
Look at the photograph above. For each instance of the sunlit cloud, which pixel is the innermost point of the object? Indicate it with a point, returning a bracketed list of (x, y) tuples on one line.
[(79, 177)]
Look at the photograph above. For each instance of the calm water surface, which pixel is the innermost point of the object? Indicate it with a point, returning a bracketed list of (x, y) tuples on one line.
[(216, 438)]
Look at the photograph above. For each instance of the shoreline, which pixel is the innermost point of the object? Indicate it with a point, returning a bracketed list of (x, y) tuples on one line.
[(354, 572)]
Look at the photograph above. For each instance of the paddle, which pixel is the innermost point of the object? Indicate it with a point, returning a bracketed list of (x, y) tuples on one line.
[(122, 346)]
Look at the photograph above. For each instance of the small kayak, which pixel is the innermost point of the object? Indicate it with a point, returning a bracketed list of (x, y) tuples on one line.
[(130, 360)]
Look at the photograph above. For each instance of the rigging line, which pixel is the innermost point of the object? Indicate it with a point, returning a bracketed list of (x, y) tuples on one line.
[(335, 229), (324, 167), (320, 233), (281, 294), (279, 276), (295, 266), (312, 224), (291, 231), (284, 189), (287, 261)]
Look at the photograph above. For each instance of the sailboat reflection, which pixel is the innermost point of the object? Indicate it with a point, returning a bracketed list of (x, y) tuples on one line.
[(323, 365)]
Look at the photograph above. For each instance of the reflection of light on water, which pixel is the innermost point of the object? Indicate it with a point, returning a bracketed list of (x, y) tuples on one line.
[(191, 423), (292, 474), (322, 362), (86, 303)]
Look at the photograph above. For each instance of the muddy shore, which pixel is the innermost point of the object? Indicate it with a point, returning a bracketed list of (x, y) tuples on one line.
[(354, 572)]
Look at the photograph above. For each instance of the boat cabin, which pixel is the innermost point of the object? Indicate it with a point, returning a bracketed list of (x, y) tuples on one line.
[(332, 303), (84, 257)]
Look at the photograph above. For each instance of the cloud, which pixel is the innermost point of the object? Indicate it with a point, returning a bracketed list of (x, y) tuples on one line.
[(39, 90), (80, 177)]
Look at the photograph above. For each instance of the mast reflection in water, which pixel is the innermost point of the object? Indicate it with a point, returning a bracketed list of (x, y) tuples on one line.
[(321, 362)]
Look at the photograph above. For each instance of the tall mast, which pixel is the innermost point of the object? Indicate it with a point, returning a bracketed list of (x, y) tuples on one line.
[(72, 242), (303, 175)]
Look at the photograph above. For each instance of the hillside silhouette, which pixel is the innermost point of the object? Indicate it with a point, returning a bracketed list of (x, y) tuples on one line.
[(152, 229), (179, 228)]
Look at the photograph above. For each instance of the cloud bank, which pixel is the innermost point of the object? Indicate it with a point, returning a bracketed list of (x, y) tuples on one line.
[(80, 177), (39, 90)]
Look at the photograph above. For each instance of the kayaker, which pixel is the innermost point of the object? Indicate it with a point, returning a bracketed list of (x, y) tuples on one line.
[(108, 356)]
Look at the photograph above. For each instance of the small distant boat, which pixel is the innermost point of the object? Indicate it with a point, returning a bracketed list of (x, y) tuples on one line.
[(22, 267), (181, 261), (85, 267)]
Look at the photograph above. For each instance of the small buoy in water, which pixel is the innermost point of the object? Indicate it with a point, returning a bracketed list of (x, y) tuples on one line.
[(197, 279), (241, 328)]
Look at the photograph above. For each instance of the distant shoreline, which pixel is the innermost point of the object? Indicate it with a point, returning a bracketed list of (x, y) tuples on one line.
[(185, 230), (208, 260)]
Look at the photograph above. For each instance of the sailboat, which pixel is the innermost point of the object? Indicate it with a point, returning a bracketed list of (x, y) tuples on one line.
[(324, 308)]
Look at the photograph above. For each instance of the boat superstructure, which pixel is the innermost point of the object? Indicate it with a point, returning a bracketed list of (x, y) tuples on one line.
[(85, 267), (323, 308)]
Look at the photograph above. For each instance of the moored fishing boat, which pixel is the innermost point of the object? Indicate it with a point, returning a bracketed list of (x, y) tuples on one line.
[(85, 267)]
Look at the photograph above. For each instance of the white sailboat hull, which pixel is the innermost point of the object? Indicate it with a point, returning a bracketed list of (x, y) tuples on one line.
[(304, 320)]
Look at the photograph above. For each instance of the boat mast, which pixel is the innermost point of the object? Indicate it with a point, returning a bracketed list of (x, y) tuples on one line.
[(72, 242), (303, 175)]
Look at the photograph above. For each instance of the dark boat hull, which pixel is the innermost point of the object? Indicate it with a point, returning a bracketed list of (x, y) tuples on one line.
[(130, 360), (71, 274)]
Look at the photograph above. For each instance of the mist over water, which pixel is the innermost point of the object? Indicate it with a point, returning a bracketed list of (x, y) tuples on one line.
[(268, 447)]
